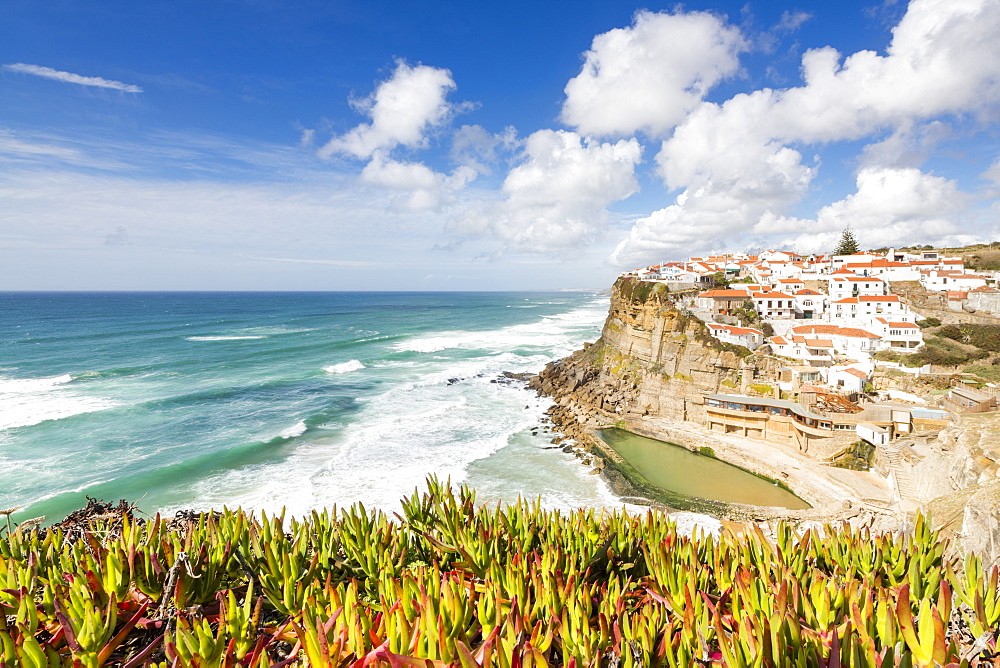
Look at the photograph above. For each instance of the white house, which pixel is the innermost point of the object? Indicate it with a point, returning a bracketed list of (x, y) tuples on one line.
[(898, 335), (847, 379), (789, 285), (939, 281), (809, 304), (774, 305), (843, 287), (861, 310), (848, 341), (741, 336), (813, 351)]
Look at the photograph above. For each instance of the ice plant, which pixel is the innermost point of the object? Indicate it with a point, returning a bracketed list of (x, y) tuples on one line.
[(450, 583)]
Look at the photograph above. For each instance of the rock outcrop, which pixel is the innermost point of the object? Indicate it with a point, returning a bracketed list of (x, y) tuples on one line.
[(654, 362), (652, 359)]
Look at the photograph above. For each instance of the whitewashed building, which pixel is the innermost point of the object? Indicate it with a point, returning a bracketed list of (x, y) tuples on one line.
[(741, 336)]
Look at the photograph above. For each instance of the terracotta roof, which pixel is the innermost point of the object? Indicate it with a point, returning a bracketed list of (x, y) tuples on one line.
[(856, 372), (807, 291), (779, 340), (902, 325), (835, 330), (957, 295), (789, 280), (846, 300), (720, 294), (984, 288), (879, 298), (771, 295), (852, 277), (737, 331), (819, 343)]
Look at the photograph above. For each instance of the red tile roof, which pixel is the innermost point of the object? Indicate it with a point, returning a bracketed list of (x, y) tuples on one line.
[(835, 330), (722, 294)]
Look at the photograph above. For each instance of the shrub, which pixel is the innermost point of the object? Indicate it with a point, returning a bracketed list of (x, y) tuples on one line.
[(452, 583)]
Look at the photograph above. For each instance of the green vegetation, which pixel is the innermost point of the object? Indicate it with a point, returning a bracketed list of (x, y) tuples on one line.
[(848, 244), (858, 456), (718, 280), (984, 337), (987, 258), (936, 350), (707, 451), (747, 314), (453, 584), (929, 322), (990, 372), (765, 390), (638, 291)]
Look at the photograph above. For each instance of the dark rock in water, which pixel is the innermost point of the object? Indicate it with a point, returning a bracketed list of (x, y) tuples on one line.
[(517, 376), (568, 449), (452, 381)]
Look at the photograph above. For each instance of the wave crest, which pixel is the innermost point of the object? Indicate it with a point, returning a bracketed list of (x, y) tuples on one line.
[(344, 367)]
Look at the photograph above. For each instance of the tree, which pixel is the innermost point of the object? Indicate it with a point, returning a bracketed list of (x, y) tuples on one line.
[(719, 280), (848, 243)]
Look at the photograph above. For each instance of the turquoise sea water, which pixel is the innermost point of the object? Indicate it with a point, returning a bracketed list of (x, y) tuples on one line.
[(264, 400)]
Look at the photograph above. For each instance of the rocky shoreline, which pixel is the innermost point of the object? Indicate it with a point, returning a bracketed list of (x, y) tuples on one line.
[(648, 372)]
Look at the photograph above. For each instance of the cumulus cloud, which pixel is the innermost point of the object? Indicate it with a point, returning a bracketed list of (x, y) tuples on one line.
[(420, 186), (892, 206), (648, 76), (69, 77), (476, 147), (402, 110), (556, 199), (742, 156)]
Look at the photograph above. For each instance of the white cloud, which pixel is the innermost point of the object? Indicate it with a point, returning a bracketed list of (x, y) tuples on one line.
[(648, 76), (892, 206), (556, 199), (792, 21), (402, 110), (737, 157), (423, 188), (69, 77), (476, 147)]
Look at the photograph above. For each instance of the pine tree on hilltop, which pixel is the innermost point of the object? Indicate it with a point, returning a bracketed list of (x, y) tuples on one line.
[(848, 243)]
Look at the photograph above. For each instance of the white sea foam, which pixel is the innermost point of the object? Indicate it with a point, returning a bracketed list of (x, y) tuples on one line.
[(28, 401), (297, 429), (23, 385), (344, 367), (422, 422), (552, 332), (225, 338)]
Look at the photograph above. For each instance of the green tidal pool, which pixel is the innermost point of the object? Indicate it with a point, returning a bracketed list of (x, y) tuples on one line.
[(688, 473)]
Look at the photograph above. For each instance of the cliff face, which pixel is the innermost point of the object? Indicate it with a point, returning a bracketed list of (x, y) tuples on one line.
[(654, 361), (651, 360)]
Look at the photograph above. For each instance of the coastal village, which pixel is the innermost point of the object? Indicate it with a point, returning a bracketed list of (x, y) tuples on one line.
[(835, 321), (867, 382)]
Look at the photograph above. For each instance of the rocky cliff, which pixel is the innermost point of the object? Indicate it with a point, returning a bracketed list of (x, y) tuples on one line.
[(651, 360), (655, 362)]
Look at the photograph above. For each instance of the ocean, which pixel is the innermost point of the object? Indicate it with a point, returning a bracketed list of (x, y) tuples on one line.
[(270, 400)]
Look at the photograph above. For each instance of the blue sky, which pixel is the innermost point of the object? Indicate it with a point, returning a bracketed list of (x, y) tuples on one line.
[(454, 146)]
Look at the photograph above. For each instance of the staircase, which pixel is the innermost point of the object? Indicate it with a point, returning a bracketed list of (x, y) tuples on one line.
[(904, 484)]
